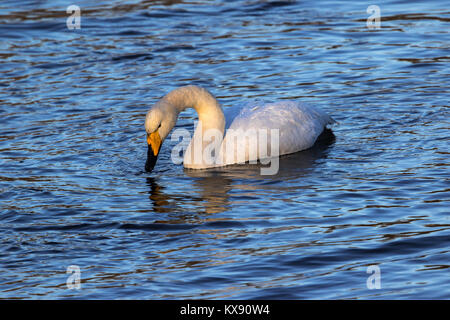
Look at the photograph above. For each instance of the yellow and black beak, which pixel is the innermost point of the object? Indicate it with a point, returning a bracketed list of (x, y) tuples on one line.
[(154, 145)]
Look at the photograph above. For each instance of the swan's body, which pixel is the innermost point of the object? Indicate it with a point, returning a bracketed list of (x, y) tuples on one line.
[(290, 125)]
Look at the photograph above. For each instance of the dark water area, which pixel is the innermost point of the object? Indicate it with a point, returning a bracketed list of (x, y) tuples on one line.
[(74, 192)]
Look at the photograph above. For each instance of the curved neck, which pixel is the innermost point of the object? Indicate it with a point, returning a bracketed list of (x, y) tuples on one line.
[(210, 128), (209, 112)]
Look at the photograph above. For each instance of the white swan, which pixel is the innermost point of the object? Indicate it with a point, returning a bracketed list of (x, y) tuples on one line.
[(296, 126)]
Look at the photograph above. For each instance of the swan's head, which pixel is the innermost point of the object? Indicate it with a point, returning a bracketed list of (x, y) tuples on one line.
[(160, 120)]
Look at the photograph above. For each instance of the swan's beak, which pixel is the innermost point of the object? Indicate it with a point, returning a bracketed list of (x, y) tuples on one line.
[(154, 144)]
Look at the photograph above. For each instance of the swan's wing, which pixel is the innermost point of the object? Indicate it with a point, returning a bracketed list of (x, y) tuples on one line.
[(298, 126), (231, 113)]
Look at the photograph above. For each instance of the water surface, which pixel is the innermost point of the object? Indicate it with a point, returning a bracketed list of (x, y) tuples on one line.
[(72, 152)]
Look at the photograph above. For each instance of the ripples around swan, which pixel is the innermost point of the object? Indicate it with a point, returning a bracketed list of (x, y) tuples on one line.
[(374, 191)]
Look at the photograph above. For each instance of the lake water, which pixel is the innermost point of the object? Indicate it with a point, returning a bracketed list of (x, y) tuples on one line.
[(72, 152)]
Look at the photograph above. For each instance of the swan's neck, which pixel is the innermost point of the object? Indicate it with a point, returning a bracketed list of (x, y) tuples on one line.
[(209, 112), (211, 123)]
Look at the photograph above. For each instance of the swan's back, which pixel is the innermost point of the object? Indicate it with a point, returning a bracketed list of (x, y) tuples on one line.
[(299, 125)]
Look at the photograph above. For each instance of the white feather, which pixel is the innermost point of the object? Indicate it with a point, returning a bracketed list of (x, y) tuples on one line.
[(298, 125)]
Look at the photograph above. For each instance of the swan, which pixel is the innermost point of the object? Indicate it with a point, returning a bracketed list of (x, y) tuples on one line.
[(283, 127)]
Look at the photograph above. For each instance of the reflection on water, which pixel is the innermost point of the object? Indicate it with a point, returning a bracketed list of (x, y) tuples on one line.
[(72, 149)]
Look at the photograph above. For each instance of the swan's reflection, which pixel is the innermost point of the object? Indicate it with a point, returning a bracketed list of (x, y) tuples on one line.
[(209, 195), (158, 198), (211, 188)]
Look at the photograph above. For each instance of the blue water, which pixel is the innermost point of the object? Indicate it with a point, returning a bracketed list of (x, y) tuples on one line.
[(72, 152)]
